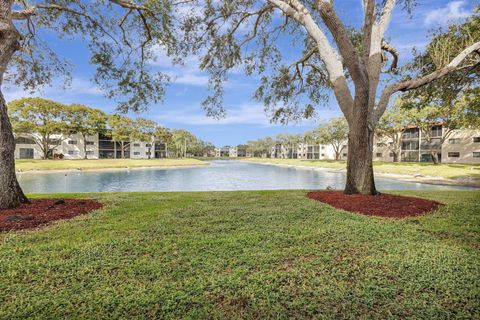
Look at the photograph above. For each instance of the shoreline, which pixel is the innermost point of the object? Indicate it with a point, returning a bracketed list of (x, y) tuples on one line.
[(78, 170), (440, 181)]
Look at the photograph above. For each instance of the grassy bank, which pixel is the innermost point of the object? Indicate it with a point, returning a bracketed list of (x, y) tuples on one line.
[(443, 170), (269, 254), (29, 165)]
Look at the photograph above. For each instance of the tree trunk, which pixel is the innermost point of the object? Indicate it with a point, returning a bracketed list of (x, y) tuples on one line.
[(11, 195), (395, 156), (360, 178), (434, 157), (84, 147)]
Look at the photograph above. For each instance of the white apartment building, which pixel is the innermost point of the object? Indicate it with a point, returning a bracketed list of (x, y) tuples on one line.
[(94, 147)]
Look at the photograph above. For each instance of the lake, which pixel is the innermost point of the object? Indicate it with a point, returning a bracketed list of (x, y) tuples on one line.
[(219, 175)]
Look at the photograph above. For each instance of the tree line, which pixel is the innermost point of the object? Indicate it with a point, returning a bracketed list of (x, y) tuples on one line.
[(48, 123), (419, 111)]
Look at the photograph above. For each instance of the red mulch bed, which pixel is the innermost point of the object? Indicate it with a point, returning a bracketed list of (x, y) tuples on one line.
[(43, 211), (383, 205)]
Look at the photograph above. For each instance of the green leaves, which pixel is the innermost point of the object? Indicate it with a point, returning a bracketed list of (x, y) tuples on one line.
[(122, 37)]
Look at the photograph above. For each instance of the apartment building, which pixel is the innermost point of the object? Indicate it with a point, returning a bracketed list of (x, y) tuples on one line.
[(461, 146), (98, 146)]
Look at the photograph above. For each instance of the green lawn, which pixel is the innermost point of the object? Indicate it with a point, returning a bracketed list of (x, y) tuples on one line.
[(267, 254), (443, 170), (27, 165)]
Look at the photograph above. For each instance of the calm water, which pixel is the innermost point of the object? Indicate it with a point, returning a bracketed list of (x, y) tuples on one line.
[(219, 175)]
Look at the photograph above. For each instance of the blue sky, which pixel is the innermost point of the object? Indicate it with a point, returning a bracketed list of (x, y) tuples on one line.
[(245, 118)]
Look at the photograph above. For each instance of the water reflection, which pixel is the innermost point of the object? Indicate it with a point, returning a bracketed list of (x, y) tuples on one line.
[(220, 175)]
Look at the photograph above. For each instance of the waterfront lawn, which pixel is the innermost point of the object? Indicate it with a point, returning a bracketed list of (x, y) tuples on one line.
[(443, 170), (30, 165), (256, 254)]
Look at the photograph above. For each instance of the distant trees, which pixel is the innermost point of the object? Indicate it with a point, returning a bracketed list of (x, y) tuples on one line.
[(43, 120), (144, 131), (391, 127), (261, 147), (85, 121), (334, 133), (289, 141)]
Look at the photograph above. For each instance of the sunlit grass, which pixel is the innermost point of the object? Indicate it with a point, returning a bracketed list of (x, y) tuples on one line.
[(267, 254), (26, 165)]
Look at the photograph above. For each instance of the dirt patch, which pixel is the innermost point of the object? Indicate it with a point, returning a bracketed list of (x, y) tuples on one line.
[(383, 205), (43, 211)]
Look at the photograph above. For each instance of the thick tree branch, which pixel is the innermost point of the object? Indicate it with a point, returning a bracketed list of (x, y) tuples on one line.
[(368, 22), (23, 14), (407, 85), (327, 53), (345, 45), (390, 49)]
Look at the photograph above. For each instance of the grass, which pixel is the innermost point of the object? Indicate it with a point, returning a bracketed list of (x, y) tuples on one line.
[(256, 254), (29, 165), (443, 170)]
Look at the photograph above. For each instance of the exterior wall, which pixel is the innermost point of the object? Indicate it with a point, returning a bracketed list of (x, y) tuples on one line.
[(465, 146), (73, 147), (140, 150), (319, 152), (381, 151), (232, 152)]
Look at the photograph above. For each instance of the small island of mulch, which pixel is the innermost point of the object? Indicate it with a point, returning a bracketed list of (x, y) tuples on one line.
[(42, 211), (383, 205)]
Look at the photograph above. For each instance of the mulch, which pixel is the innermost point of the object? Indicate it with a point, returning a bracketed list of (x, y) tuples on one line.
[(42, 211), (382, 205)]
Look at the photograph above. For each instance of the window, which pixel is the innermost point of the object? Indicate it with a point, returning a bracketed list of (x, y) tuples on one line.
[(344, 154), (72, 141), (72, 152), (391, 155), (89, 143), (454, 154), (136, 144), (379, 154), (476, 154), (136, 153), (476, 139), (323, 147), (26, 153), (90, 153), (323, 154), (148, 145), (411, 133), (23, 140), (454, 141), (410, 145), (436, 131)]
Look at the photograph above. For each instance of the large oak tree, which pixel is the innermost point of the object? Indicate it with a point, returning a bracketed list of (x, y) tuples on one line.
[(122, 36), (334, 56)]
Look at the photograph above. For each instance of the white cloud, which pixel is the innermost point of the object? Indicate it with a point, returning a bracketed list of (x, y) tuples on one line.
[(57, 91), (194, 115), (454, 10), (243, 114)]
